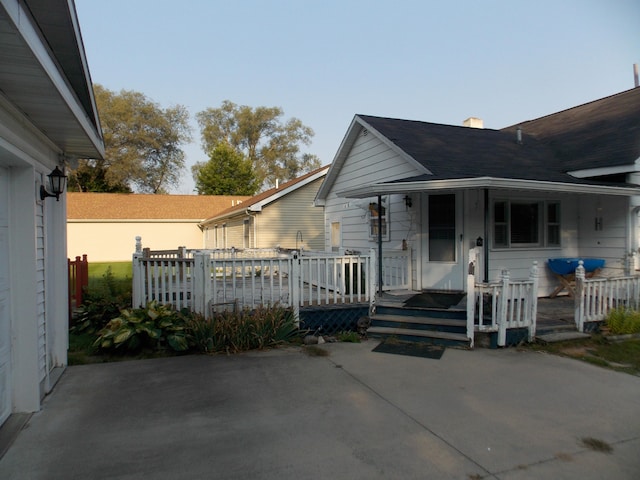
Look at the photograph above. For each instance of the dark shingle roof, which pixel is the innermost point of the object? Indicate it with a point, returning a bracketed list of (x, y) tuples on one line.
[(451, 152), (602, 133)]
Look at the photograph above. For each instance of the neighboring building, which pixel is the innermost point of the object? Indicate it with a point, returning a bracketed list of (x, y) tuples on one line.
[(104, 226), (564, 185), (283, 216), (47, 117)]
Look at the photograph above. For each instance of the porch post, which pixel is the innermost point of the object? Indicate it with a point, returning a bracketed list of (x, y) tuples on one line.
[(471, 297), (371, 281), (579, 297), (533, 276), (502, 309), (380, 244)]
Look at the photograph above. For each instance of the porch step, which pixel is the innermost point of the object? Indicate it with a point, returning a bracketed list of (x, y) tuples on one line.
[(408, 332), (425, 329)]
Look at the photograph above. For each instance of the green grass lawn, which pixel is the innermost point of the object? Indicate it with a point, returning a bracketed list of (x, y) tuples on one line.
[(121, 271)]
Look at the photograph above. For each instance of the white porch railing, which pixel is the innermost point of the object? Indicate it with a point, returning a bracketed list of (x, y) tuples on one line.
[(596, 297), (202, 280), (500, 306)]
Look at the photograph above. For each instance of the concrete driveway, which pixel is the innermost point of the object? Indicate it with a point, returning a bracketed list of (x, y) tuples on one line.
[(355, 414)]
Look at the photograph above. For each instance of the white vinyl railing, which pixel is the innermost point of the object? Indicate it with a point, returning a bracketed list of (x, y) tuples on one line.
[(497, 307), (596, 297), (203, 280)]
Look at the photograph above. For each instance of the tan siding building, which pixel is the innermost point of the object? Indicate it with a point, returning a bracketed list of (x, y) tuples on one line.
[(104, 226), (280, 217)]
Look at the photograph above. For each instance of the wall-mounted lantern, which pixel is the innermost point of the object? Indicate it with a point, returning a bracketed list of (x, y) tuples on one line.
[(57, 179)]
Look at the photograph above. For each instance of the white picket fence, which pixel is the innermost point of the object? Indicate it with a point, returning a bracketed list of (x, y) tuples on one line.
[(596, 297), (209, 280)]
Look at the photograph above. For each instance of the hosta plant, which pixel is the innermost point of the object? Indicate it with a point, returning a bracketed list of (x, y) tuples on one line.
[(156, 327)]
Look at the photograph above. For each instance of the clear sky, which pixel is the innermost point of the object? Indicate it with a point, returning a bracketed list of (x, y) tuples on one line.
[(323, 61)]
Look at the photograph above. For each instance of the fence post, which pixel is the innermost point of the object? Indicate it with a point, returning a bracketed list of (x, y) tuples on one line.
[(138, 281), (201, 283), (371, 282), (295, 285), (138, 244), (533, 276), (502, 309), (471, 297), (579, 297)]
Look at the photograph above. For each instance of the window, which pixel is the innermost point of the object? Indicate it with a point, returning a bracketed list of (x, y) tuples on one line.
[(374, 223), (246, 234), (335, 236), (442, 228), (526, 224)]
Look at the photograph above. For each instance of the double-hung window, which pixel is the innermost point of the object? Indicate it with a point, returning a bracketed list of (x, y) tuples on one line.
[(526, 223)]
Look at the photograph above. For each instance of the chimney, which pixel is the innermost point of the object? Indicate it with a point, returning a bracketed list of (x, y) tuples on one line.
[(277, 184), (473, 122), (635, 75)]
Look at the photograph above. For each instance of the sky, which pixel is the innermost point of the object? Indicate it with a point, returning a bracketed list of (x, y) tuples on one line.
[(324, 61)]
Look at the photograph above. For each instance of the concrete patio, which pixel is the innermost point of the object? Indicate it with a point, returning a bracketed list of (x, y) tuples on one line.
[(355, 414)]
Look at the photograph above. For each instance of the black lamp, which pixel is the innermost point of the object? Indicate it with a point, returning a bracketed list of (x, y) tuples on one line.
[(57, 179)]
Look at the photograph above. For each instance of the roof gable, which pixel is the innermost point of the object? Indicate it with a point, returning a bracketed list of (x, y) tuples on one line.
[(257, 202)]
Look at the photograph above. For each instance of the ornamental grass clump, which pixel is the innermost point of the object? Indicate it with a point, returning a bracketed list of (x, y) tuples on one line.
[(622, 321), (232, 332)]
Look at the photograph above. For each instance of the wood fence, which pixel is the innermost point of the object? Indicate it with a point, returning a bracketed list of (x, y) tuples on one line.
[(78, 281)]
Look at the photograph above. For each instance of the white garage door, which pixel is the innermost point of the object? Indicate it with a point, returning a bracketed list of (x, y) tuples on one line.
[(5, 324)]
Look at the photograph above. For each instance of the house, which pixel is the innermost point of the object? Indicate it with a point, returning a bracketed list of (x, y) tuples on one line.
[(283, 216), (48, 117), (104, 226), (564, 185)]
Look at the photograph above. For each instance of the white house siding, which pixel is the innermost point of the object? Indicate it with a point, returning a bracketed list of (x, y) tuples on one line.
[(105, 241), (370, 160), (612, 242)]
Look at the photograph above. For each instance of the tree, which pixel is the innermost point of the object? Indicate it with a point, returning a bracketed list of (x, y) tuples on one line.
[(226, 173), (269, 143), (142, 145)]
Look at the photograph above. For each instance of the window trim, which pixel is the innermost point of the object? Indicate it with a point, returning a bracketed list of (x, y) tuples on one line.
[(543, 223), (373, 232)]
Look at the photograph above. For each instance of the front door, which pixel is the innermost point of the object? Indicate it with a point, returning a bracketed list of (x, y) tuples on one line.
[(442, 255)]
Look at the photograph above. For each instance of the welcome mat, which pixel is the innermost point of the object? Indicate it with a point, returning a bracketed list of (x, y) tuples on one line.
[(412, 349)]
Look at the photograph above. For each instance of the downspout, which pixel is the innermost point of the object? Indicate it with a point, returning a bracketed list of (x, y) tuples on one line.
[(486, 236), (380, 245)]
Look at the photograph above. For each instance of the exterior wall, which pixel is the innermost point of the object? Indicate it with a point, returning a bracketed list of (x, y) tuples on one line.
[(282, 223), (369, 161), (115, 241), (292, 221)]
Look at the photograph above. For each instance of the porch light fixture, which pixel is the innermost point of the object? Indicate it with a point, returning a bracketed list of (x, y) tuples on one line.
[(407, 201), (57, 179)]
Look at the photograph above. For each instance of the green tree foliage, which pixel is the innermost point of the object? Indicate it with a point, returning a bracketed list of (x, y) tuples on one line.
[(261, 135), (142, 143), (226, 173)]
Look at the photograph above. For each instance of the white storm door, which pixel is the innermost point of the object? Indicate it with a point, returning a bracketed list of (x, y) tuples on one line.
[(442, 256)]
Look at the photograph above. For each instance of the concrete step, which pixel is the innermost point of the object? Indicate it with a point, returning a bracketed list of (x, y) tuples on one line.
[(561, 336)]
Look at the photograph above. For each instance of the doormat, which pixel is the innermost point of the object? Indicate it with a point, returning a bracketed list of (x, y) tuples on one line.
[(411, 349), (434, 300)]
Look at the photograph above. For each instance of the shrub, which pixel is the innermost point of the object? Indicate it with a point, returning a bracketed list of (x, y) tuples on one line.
[(240, 331), (101, 303), (621, 321), (348, 336), (155, 327)]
